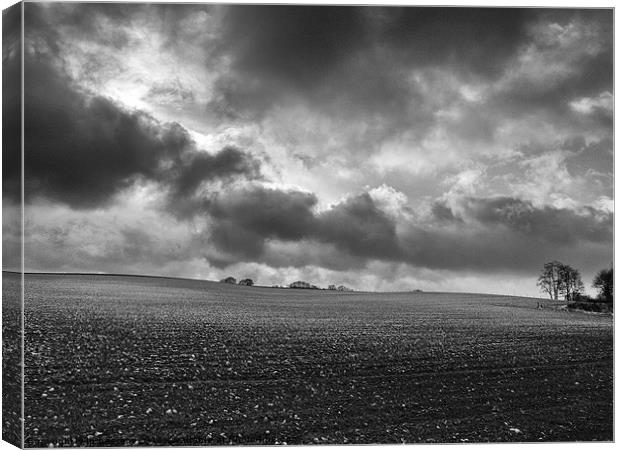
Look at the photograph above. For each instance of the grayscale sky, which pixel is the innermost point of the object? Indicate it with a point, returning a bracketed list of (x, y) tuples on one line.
[(381, 148)]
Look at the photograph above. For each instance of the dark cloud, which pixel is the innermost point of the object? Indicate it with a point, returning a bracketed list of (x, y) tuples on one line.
[(491, 234), (298, 46), (583, 51), (11, 102), (475, 40), (304, 45), (198, 167), (247, 217), (548, 224), (358, 227), (503, 233), (81, 149), (283, 54), (361, 56)]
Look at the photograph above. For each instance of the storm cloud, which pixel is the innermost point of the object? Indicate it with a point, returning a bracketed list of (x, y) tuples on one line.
[(358, 227), (556, 225), (494, 234), (82, 149), (319, 52), (246, 218), (403, 145), (11, 104)]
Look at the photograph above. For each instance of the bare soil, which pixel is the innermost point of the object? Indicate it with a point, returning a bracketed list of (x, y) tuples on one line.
[(114, 361)]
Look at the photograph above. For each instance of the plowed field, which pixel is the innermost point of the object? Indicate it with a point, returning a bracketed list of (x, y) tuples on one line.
[(114, 361)]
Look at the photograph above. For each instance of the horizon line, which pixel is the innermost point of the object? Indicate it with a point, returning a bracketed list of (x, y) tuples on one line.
[(411, 291)]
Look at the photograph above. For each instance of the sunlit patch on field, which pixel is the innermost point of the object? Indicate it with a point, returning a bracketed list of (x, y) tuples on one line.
[(138, 361)]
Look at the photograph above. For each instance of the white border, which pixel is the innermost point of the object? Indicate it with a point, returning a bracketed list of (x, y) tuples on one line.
[(489, 3)]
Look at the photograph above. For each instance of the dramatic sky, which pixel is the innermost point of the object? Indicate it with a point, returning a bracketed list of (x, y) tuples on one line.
[(381, 148)]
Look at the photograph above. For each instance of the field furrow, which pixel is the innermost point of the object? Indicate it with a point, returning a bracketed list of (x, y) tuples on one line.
[(137, 361)]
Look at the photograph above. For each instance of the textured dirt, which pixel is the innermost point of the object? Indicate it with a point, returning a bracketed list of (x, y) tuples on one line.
[(11, 359), (147, 361)]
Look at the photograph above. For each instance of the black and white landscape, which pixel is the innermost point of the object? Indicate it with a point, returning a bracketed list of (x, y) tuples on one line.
[(383, 158)]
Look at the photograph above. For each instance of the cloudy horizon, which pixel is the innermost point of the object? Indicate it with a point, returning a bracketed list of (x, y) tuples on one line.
[(383, 148)]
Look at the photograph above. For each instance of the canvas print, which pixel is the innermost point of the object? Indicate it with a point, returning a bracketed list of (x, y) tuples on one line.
[(286, 224)]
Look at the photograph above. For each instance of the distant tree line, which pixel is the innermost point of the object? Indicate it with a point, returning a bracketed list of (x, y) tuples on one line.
[(294, 285), (233, 280), (306, 285), (302, 285), (561, 281), (332, 287)]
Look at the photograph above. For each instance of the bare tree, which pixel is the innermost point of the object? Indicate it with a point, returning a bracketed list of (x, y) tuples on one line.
[(604, 282), (570, 282), (558, 279), (549, 279)]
